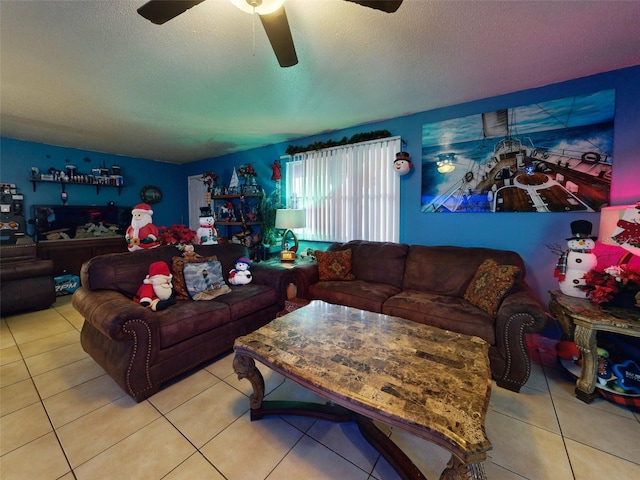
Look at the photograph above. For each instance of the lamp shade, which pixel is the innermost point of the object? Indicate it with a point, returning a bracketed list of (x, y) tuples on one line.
[(289, 218), (621, 226)]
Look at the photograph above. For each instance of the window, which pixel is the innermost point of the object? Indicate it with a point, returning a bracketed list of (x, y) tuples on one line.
[(349, 192)]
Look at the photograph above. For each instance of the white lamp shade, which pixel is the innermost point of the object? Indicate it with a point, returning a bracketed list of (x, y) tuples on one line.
[(289, 218), (609, 228), (265, 6)]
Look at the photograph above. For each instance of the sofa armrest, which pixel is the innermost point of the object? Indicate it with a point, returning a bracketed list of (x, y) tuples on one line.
[(519, 303), (112, 313), (273, 276)]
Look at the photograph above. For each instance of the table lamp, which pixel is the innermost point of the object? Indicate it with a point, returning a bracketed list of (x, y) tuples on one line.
[(621, 226), (289, 219)]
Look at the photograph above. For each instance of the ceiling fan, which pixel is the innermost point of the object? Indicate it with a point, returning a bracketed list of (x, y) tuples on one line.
[(271, 12)]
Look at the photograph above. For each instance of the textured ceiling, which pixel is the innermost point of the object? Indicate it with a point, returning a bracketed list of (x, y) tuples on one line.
[(97, 76)]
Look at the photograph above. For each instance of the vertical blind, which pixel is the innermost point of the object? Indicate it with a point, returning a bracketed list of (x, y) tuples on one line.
[(350, 192)]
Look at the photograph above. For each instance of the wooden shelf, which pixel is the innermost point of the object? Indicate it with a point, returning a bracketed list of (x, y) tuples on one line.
[(98, 186)]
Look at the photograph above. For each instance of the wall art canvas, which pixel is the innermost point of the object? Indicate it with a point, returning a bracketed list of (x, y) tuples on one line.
[(554, 156)]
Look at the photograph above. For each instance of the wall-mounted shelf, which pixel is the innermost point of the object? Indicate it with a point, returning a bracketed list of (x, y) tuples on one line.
[(98, 186)]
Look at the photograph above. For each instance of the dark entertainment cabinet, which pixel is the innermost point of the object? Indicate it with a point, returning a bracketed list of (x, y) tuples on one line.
[(69, 255)]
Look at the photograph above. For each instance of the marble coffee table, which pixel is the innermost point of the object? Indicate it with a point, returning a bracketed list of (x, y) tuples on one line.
[(430, 382)]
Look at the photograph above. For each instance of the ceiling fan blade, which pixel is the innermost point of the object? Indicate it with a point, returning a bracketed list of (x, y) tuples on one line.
[(279, 34), (161, 11), (388, 6)]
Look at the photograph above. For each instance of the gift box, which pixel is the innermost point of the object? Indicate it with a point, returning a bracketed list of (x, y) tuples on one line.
[(66, 284)]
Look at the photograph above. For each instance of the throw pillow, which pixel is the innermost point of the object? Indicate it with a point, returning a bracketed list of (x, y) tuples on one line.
[(204, 280), (490, 284), (177, 267), (334, 265)]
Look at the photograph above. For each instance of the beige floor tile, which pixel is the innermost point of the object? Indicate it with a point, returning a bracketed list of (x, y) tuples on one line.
[(6, 339), (45, 362), (346, 439), (66, 377), (17, 395), (600, 429), (536, 380), (309, 459), (13, 372), (496, 472), (97, 431), (85, 398), (31, 326), (40, 459), (529, 405), (23, 426), (221, 367), (207, 414), (193, 468), (526, 450), (290, 390), (47, 344), (162, 444), (10, 354), (592, 464), (271, 437), (182, 390)]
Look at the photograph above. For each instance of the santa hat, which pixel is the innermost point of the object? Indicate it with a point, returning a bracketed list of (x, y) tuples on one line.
[(142, 208), (159, 268)]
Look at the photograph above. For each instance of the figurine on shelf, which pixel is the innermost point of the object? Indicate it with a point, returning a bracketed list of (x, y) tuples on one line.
[(277, 170)]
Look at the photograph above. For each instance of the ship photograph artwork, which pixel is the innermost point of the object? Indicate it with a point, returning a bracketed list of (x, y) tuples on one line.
[(554, 156)]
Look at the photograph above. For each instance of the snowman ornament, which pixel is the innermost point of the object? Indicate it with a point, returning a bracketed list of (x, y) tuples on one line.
[(577, 261)]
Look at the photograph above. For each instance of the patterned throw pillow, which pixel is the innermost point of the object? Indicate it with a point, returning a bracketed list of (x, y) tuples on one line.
[(334, 265), (204, 280), (177, 268), (490, 284)]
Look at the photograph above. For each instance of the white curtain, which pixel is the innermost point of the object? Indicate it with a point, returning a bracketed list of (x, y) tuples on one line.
[(349, 192)]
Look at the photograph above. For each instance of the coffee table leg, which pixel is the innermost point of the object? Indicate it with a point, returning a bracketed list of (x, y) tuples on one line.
[(245, 367), (585, 339), (456, 470)]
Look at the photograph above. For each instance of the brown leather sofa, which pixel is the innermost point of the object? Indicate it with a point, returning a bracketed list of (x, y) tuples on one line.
[(142, 349), (427, 284), (27, 282)]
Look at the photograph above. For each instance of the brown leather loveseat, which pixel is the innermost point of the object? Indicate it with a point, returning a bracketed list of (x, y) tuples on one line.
[(141, 349), (428, 284)]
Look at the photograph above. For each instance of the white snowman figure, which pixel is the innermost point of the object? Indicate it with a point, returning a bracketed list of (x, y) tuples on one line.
[(402, 164), (207, 233), (241, 275), (577, 261)]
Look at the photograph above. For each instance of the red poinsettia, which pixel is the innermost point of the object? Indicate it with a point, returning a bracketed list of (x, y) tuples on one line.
[(603, 286), (247, 171), (176, 235), (209, 178)]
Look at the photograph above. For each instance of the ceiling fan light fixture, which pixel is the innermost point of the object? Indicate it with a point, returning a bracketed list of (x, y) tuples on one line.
[(261, 7)]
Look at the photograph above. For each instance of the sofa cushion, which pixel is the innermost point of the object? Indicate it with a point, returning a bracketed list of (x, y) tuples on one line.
[(448, 270), (177, 269), (490, 285), (334, 265), (379, 262), (188, 319), (358, 293), (442, 311), (204, 280), (246, 299)]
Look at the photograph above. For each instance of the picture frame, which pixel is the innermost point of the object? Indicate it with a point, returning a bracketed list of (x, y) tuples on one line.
[(150, 194)]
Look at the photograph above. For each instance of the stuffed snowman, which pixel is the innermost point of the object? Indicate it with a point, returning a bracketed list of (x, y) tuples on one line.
[(241, 274), (578, 260), (206, 233)]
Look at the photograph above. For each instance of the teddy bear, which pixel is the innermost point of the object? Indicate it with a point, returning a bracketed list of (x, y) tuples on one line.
[(155, 291), (241, 274)]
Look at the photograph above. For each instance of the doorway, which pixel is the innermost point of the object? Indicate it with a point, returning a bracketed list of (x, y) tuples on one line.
[(197, 189)]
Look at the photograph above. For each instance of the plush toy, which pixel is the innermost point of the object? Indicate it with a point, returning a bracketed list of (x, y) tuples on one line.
[(155, 291), (241, 274), (207, 234), (578, 260), (141, 234)]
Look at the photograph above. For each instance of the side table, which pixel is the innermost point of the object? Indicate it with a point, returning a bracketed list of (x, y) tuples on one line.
[(580, 319)]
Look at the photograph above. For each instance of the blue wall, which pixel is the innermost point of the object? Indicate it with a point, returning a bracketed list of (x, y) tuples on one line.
[(526, 233), (18, 157)]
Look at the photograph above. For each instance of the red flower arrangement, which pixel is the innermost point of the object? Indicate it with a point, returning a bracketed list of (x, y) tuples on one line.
[(209, 178), (176, 235), (247, 171), (602, 287)]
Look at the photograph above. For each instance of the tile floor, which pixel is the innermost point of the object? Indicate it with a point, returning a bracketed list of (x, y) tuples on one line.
[(63, 418)]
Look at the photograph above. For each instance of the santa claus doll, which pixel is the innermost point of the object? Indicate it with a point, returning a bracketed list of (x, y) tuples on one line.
[(141, 234), (155, 291)]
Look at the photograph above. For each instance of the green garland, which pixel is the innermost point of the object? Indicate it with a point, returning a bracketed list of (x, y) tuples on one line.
[(357, 138)]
